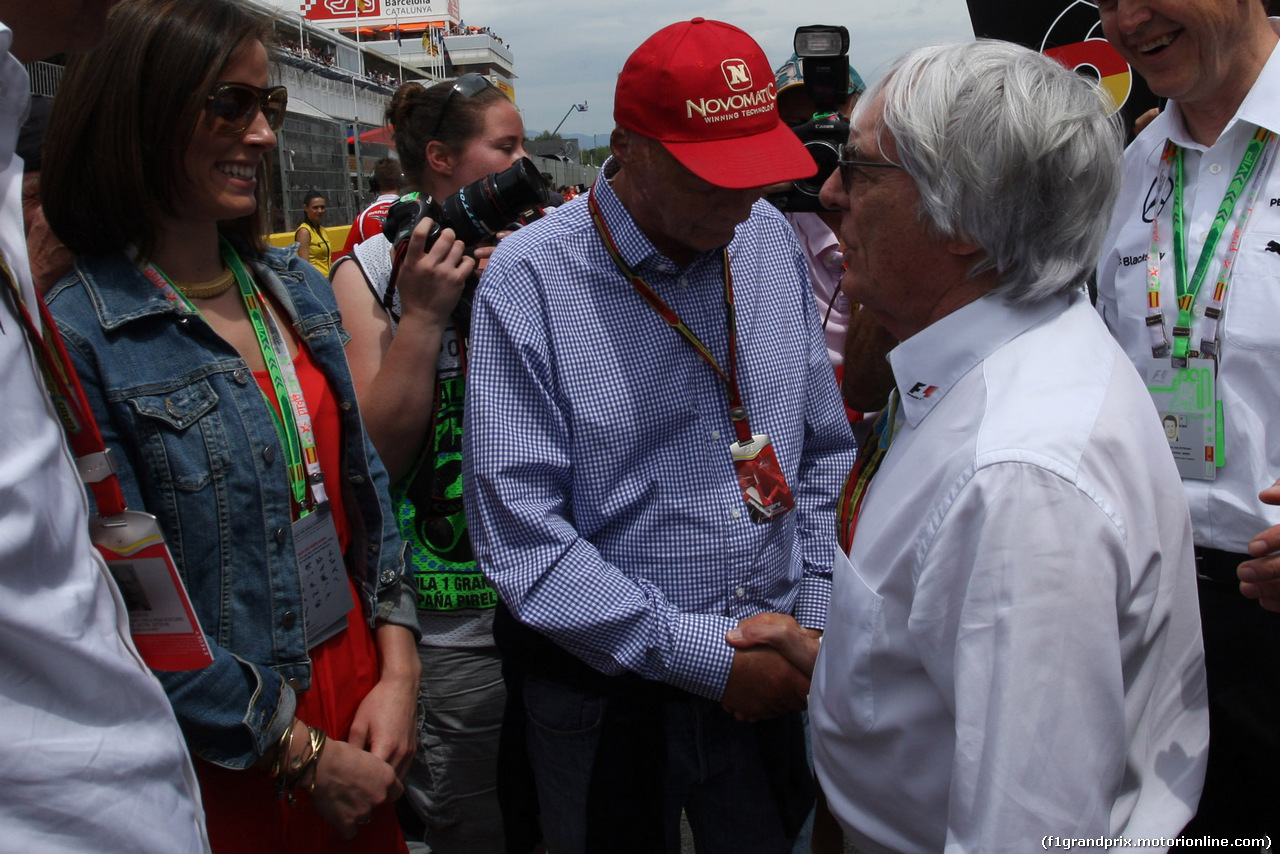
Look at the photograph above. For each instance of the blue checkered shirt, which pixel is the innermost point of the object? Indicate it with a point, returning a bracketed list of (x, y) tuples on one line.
[(601, 497)]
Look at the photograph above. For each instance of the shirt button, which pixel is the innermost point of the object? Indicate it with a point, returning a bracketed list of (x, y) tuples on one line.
[(357, 478), (288, 619), (1215, 168), (269, 453), (281, 535), (345, 405), (295, 684), (737, 514), (715, 435), (740, 592), (241, 376), (388, 576)]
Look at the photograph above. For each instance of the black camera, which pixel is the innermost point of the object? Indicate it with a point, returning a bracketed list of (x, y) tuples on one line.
[(498, 201), (823, 56)]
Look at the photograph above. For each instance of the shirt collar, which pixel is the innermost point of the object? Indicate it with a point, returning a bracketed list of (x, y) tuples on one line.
[(929, 363), (636, 249)]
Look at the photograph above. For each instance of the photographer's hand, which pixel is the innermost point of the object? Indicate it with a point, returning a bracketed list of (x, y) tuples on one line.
[(431, 282), (395, 377)]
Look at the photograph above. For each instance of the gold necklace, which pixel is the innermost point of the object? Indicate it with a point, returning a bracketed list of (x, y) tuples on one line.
[(209, 289)]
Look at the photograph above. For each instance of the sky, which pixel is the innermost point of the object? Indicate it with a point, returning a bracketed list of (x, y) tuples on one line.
[(570, 51)]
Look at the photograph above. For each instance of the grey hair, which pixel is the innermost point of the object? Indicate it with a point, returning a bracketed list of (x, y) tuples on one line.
[(1009, 151)]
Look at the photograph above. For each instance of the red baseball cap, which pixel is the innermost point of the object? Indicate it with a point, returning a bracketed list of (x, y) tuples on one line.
[(704, 89)]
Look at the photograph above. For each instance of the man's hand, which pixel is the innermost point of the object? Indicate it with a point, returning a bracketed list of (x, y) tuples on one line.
[(797, 645), (1260, 578), (762, 683)]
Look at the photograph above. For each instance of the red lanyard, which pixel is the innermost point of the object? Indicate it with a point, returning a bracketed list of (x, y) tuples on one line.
[(864, 469), (92, 457), (737, 409)]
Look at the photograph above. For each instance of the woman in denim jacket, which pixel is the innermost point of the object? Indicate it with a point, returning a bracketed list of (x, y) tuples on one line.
[(155, 160)]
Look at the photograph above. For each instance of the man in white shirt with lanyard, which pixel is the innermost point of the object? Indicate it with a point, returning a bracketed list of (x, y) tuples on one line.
[(1012, 654), (1190, 285), (91, 758)]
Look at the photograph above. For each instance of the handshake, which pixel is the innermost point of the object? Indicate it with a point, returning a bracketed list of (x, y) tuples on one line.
[(772, 664)]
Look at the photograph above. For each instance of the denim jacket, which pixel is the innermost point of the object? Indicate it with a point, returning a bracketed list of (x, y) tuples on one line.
[(196, 446)]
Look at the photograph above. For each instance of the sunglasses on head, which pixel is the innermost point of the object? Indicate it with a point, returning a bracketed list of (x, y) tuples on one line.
[(232, 107), (468, 86), (849, 165)]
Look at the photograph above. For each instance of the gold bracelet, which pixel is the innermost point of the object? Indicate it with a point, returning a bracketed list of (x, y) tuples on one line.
[(288, 781), (318, 739), (283, 746)]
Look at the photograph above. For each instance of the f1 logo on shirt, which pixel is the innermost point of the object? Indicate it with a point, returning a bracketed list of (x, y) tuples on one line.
[(920, 391), (736, 74)]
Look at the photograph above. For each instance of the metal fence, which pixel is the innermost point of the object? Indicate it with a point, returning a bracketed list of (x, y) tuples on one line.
[(311, 156), (45, 77)]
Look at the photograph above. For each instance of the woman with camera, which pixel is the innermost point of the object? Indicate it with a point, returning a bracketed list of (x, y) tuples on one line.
[(408, 359), (214, 368), (313, 241)]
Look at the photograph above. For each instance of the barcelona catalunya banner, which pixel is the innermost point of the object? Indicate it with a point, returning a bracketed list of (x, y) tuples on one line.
[(1070, 31)]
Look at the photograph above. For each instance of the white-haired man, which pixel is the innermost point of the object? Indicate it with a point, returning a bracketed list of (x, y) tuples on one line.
[(1190, 286), (1012, 650)]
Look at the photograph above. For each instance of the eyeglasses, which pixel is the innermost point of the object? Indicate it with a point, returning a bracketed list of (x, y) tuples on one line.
[(468, 86), (849, 166), (232, 107)]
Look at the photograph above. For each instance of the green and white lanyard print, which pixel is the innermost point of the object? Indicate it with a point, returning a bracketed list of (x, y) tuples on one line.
[(1182, 381), (321, 569)]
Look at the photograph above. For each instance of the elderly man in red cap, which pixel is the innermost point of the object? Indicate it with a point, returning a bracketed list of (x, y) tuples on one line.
[(655, 446)]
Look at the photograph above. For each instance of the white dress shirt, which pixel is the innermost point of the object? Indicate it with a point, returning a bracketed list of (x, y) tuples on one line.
[(1013, 647), (91, 757), (1225, 512)]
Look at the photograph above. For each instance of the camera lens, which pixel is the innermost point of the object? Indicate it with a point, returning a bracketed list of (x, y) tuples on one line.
[(826, 155), (484, 207)]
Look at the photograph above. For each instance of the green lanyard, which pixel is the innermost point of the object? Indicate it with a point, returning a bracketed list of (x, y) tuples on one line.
[(293, 421), (1188, 290)]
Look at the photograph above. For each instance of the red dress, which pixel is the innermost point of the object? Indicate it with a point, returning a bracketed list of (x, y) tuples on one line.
[(244, 816)]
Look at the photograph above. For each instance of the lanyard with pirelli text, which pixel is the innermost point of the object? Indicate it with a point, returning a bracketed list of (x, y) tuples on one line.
[(93, 459), (1256, 158), (737, 409)]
